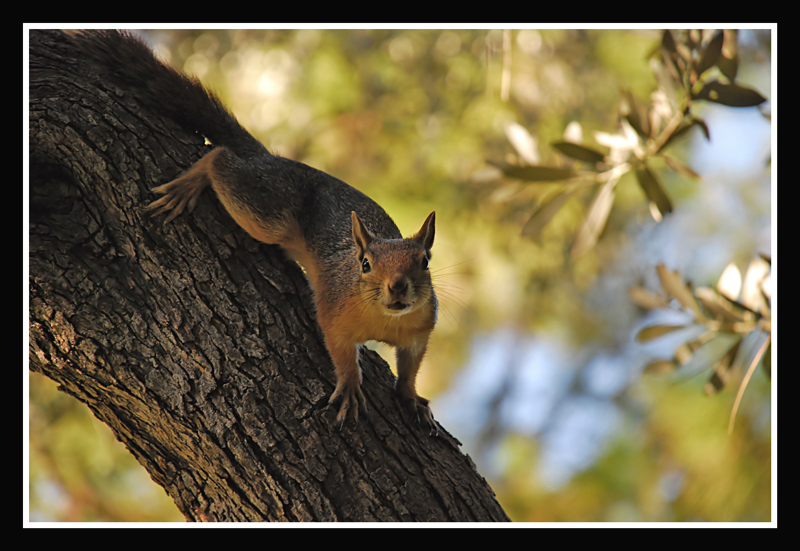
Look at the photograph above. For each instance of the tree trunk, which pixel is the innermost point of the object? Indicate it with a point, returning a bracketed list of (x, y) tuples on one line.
[(196, 344)]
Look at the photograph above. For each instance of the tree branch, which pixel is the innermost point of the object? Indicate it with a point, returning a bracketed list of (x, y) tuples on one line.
[(196, 344)]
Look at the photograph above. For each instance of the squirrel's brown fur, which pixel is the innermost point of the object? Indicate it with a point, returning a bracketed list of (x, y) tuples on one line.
[(369, 282)]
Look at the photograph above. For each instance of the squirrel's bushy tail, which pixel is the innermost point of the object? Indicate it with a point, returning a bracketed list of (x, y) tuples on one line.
[(127, 61)]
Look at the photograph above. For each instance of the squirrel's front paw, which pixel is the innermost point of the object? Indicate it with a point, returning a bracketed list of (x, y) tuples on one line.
[(420, 408), (178, 195), (351, 397)]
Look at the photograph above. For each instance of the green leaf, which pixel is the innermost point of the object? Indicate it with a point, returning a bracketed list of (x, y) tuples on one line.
[(675, 286), (685, 351), (636, 115), (681, 168), (534, 173), (668, 42), (660, 367), (719, 306), (728, 62), (544, 213), (653, 190), (731, 95), (595, 221), (728, 67), (711, 53), (579, 152), (703, 126), (721, 370), (654, 331), (647, 299), (682, 129)]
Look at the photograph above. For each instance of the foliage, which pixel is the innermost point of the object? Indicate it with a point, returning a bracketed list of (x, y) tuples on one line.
[(732, 308), (683, 67)]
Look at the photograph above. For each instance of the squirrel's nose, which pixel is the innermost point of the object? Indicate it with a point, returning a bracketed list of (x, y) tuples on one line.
[(398, 284)]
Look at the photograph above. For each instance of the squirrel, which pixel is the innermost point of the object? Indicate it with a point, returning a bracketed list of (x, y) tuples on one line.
[(368, 282)]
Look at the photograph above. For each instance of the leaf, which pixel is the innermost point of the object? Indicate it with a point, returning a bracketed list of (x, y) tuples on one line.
[(653, 190), (636, 115), (753, 363), (684, 352), (579, 152), (534, 173), (668, 42), (696, 121), (655, 331), (675, 286), (683, 128), (646, 299), (595, 221), (544, 213), (728, 66), (728, 62), (660, 367), (711, 53), (703, 126), (718, 306), (523, 142), (681, 168), (731, 95), (721, 369)]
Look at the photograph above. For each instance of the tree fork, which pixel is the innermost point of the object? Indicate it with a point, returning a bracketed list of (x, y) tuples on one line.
[(196, 344)]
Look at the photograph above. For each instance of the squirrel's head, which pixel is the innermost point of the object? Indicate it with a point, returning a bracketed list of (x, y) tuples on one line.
[(395, 272)]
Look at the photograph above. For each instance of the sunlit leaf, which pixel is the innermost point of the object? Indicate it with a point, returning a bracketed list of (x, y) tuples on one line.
[(757, 274), (653, 190), (573, 132), (681, 168), (647, 299), (721, 369), (731, 95), (660, 367), (595, 221), (544, 213), (579, 152), (756, 358), (718, 306), (523, 142), (684, 352), (655, 331), (531, 173), (711, 53), (675, 286), (729, 284)]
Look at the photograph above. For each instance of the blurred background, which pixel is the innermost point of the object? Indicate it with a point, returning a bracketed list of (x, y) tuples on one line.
[(539, 364)]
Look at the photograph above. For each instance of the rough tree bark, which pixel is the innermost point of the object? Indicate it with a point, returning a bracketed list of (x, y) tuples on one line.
[(196, 344)]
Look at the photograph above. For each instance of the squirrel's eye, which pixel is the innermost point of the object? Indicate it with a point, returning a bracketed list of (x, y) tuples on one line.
[(424, 262), (365, 267)]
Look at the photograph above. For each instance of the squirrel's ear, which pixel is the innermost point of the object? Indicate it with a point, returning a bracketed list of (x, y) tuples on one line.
[(425, 234), (361, 235)]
